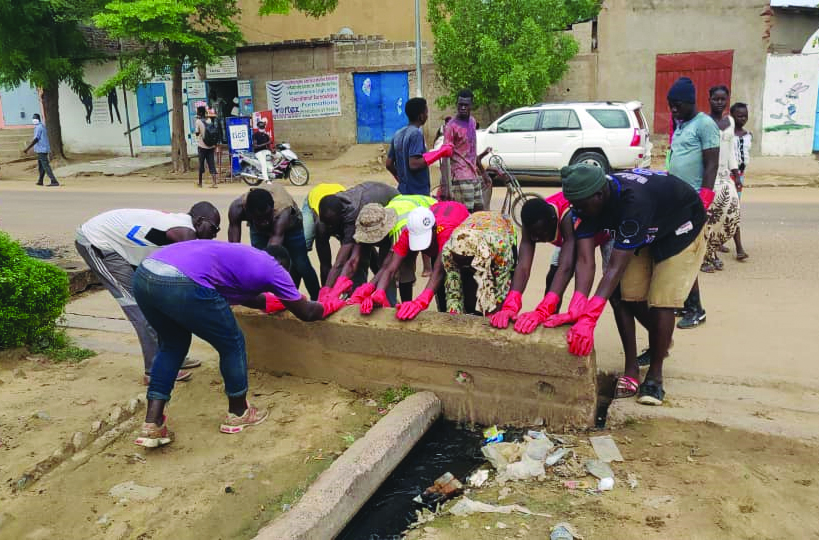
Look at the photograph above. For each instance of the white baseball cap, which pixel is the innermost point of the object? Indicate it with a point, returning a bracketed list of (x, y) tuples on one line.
[(419, 226)]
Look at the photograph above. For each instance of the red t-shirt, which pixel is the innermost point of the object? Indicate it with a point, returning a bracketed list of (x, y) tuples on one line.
[(448, 215), (563, 207)]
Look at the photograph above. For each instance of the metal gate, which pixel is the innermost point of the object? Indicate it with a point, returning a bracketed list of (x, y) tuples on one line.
[(706, 69), (152, 105), (379, 105)]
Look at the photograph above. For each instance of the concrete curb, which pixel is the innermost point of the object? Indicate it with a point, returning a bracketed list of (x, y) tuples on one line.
[(340, 491)]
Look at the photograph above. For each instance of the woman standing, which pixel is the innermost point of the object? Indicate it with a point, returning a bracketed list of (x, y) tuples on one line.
[(723, 215), (479, 260)]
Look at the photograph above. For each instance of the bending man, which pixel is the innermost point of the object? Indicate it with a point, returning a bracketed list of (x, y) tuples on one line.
[(187, 289), (114, 243)]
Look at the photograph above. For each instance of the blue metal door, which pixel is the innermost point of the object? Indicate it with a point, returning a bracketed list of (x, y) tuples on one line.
[(19, 104), (379, 103), (152, 105)]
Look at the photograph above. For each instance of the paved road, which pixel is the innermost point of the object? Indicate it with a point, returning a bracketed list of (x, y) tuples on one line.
[(752, 364)]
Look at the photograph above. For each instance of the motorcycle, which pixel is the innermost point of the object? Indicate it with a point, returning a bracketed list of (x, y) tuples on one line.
[(281, 163)]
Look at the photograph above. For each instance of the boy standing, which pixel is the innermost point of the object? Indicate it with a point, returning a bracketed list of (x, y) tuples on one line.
[(466, 183), (742, 148)]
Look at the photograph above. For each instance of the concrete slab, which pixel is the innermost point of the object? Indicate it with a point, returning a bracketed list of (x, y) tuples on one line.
[(340, 491), (118, 166), (507, 377)]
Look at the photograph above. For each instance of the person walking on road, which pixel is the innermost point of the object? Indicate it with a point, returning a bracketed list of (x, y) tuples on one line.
[(742, 141), (114, 243), (187, 289), (205, 148), (695, 160), (42, 148), (723, 216)]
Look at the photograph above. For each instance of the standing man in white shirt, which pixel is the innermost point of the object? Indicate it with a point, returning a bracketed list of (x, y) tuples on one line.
[(114, 243)]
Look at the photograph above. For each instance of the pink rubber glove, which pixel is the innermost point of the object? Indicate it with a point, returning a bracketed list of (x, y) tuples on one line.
[(508, 311), (378, 298), (324, 294), (331, 305), (433, 156), (362, 292), (707, 197), (530, 320), (581, 336), (409, 310), (272, 304), (343, 284), (576, 308)]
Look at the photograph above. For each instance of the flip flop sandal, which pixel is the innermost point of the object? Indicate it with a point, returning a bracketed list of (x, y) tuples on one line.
[(707, 267), (718, 264), (742, 256), (626, 387), (723, 249), (190, 363)]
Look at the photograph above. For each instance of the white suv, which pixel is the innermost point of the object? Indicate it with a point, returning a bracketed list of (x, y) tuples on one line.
[(541, 139)]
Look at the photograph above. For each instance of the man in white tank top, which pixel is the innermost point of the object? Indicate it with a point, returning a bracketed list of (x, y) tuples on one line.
[(114, 243)]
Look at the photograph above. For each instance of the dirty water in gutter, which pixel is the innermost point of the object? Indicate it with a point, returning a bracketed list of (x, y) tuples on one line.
[(446, 447)]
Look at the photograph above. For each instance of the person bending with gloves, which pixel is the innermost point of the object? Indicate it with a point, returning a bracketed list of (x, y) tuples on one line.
[(187, 289), (427, 231), (547, 220), (657, 222)]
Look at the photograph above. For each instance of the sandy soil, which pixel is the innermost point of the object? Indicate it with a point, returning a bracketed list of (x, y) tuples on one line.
[(42, 405), (695, 481)]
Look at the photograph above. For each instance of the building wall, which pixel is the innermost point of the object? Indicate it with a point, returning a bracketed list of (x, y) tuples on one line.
[(790, 30), (327, 137), (102, 135), (789, 110), (632, 32), (392, 19)]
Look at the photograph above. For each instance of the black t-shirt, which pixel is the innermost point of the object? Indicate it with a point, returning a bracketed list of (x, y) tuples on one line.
[(648, 209), (260, 138)]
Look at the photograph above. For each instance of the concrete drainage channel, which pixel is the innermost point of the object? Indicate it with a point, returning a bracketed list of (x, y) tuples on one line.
[(461, 367)]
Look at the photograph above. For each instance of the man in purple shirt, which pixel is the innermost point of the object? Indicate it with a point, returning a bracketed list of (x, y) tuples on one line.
[(188, 288)]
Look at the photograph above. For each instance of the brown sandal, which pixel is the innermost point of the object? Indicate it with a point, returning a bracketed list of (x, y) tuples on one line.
[(626, 387)]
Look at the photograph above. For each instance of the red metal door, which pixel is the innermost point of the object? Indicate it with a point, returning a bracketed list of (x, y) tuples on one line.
[(706, 69)]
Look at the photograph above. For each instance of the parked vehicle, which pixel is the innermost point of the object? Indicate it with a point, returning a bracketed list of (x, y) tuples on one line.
[(281, 163), (541, 139)]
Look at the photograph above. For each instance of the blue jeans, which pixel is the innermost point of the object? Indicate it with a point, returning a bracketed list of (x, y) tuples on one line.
[(300, 265), (177, 307)]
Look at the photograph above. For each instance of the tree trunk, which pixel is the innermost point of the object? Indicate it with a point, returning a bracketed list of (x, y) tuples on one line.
[(179, 145), (51, 109)]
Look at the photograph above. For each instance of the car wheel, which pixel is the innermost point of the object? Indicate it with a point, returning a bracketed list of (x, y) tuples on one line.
[(592, 158)]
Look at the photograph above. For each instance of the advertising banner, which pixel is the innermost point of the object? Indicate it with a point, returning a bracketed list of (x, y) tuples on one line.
[(299, 99)]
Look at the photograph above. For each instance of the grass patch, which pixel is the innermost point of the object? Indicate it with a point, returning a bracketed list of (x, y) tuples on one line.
[(59, 347), (391, 396)]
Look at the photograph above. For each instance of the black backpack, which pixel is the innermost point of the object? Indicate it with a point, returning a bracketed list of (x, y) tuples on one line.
[(211, 136)]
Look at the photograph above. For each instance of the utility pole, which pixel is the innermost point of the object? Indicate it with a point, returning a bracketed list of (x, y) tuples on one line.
[(419, 86)]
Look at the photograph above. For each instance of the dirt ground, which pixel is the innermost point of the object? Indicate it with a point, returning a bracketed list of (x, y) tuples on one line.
[(749, 368), (42, 406), (694, 481)]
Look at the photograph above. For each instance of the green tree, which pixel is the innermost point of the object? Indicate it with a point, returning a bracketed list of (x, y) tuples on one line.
[(41, 42), (508, 52), (169, 32)]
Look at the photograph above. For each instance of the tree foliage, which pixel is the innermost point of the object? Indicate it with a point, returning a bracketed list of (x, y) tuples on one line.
[(313, 8), (41, 42), (508, 52), (168, 31)]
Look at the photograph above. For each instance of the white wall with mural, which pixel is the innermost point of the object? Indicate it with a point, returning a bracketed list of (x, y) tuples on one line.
[(93, 124), (789, 105)]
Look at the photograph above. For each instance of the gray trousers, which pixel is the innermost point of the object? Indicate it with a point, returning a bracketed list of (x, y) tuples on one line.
[(44, 168), (115, 274)]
